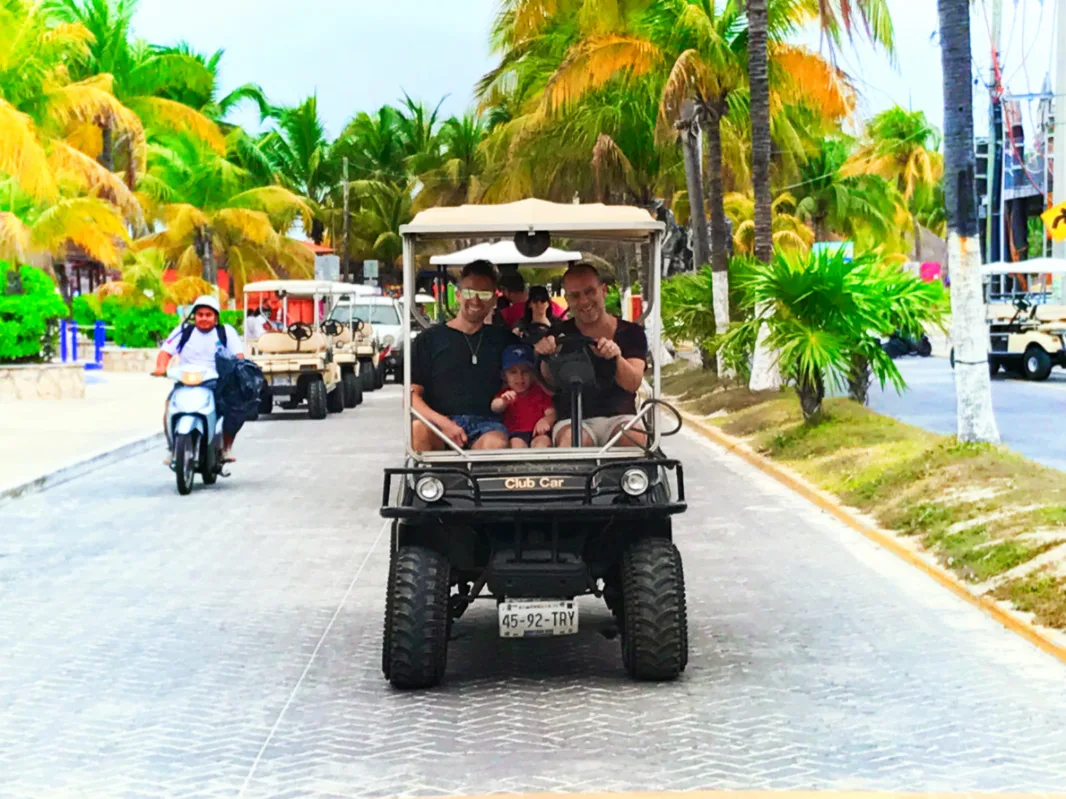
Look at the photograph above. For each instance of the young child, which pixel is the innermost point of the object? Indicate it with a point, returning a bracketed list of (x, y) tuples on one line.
[(525, 404)]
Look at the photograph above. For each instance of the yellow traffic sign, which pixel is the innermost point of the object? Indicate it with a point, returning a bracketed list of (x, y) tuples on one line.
[(1055, 221)]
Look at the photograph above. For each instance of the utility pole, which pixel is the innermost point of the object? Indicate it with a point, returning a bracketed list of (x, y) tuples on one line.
[(345, 264), (993, 220), (1058, 249)]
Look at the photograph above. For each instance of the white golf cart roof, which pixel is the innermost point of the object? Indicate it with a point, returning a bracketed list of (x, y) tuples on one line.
[(352, 289), (297, 288), (589, 220), (1034, 266), (503, 252)]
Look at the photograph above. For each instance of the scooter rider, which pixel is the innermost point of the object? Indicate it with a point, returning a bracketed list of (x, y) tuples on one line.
[(197, 344)]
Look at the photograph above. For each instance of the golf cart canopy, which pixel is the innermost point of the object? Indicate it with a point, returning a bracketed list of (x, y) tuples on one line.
[(296, 288), (504, 252), (1034, 266), (578, 220), (351, 289)]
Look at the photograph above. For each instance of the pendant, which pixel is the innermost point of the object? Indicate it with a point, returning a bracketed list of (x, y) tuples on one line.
[(473, 360)]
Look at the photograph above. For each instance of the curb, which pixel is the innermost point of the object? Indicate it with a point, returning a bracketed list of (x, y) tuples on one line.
[(79, 468), (825, 501)]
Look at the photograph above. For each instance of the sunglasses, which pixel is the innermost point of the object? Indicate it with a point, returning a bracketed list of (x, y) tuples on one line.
[(469, 294)]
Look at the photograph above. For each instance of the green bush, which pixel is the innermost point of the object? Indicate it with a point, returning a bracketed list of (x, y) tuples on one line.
[(25, 318), (235, 319), (85, 310)]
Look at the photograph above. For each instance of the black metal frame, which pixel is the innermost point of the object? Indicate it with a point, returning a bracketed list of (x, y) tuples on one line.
[(535, 502)]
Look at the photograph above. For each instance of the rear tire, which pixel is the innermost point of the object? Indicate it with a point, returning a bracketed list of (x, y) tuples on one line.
[(335, 399), (1036, 365), (655, 621), (316, 398), (353, 391), (925, 347), (379, 376), (366, 376), (184, 458), (415, 643)]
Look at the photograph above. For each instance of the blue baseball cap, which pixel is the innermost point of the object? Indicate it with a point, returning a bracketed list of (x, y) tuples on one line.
[(516, 354)]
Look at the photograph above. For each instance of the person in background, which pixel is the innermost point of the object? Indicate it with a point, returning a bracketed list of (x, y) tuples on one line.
[(537, 321), (514, 288), (254, 324)]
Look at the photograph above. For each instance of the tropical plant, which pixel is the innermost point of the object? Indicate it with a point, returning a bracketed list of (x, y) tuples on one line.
[(790, 232), (903, 148), (383, 207), (457, 178), (822, 312), (973, 391), (25, 317)]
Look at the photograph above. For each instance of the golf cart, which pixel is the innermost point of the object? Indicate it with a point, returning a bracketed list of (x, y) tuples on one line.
[(1025, 308), (382, 315), (533, 530), (355, 347), (297, 362)]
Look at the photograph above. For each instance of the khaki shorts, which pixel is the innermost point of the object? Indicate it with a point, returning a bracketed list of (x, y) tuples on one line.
[(601, 428)]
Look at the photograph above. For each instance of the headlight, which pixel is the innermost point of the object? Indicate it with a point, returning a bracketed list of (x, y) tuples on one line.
[(635, 482), (192, 378), (429, 489), (388, 341)]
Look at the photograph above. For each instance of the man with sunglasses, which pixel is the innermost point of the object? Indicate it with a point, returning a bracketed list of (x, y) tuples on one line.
[(455, 370), (618, 359)]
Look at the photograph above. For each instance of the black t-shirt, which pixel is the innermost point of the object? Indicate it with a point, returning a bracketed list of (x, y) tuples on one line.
[(441, 362), (606, 398)]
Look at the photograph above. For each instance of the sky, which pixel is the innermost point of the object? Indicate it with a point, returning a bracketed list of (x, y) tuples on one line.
[(360, 54)]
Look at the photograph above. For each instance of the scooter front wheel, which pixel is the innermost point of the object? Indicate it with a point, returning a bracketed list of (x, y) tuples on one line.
[(184, 461)]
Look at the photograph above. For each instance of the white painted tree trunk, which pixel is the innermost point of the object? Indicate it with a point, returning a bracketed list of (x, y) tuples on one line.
[(720, 292), (765, 370), (969, 335)]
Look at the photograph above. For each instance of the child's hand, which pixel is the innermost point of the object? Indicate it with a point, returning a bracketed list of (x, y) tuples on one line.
[(542, 427), (507, 397)]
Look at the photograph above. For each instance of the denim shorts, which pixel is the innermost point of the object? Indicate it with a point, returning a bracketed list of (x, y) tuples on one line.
[(477, 426)]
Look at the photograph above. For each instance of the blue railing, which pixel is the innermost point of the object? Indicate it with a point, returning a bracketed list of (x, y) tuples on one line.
[(68, 343)]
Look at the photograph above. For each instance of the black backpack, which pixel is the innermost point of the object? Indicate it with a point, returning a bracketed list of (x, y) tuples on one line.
[(186, 334)]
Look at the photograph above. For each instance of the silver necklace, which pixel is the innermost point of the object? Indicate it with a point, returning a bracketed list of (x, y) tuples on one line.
[(474, 352)]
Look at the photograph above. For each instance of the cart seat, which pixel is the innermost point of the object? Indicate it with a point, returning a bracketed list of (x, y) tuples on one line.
[(1050, 313), (276, 343), (1001, 312), (345, 336)]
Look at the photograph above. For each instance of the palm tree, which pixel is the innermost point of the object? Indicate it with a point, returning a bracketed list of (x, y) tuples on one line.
[(205, 97), (303, 157), (215, 216), (383, 207), (857, 207), (789, 231), (375, 146), (458, 177), (976, 421), (903, 148)]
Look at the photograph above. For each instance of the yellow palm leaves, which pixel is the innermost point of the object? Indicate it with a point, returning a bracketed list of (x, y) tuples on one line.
[(22, 156), (91, 224)]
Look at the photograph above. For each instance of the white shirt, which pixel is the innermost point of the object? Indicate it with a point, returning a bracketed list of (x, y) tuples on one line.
[(199, 351), (254, 327)]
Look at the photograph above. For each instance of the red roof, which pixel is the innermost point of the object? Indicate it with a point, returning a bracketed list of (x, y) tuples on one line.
[(318, 249)]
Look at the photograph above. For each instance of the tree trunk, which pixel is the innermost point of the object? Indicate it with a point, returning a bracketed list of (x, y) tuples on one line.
[(107, 151), (917, 239), (811, 393), (859, 378), (205, 250), (719, 231), (759, 80), (689, 130), (973, 391)]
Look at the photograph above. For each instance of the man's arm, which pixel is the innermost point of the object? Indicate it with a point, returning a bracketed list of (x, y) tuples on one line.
[(629, 373)]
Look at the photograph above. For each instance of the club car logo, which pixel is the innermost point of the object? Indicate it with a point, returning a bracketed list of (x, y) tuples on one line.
[(532, 483)]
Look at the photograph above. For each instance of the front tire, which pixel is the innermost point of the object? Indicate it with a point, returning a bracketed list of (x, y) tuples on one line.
[(366, 376), (1037, 364), (353, 391), (184, 461), (316, 398), (415, 643), (655, 621), (379, 376), (335, 399)]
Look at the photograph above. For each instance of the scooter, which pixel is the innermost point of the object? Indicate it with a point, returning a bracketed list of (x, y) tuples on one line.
[(194, 429)]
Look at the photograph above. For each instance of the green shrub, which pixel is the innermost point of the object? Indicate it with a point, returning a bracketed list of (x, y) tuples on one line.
[(85, 310), (235, 319), (24, 318)]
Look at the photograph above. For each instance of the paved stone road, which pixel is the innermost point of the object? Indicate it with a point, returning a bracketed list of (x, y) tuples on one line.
[(226, 644)]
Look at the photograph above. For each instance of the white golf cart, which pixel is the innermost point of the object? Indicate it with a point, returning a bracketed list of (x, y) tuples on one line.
[(535, 529), (1025, 307), (297, 361)]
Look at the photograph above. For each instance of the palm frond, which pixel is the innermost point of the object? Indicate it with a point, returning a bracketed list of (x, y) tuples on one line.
[(594, 62), (175, 116), (91, 224), (22, 156)]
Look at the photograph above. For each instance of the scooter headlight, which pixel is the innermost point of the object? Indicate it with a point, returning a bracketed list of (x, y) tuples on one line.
[(429, 489), (635, 481)]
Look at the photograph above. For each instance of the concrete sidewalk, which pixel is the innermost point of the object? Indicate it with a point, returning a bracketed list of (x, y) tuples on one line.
[(43, 436)]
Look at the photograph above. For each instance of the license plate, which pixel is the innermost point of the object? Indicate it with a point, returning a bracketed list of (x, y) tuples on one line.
[(281, 380), (536, 618)]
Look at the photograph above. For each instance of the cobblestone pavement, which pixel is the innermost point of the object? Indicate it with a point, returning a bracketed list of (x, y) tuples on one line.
[(227, 643)]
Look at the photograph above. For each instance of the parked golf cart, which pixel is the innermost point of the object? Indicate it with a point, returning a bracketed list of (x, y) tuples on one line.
[(355, 347), (297, 362), (1025, 308), (533, 530), (383, 315)]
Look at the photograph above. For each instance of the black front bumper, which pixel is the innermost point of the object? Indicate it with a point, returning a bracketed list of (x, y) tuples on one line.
[(488, 494)]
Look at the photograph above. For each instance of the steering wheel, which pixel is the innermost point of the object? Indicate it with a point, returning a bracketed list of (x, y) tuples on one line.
[(535, 331), (300, 331), (333, 327), (357, 324), (573, 342)]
